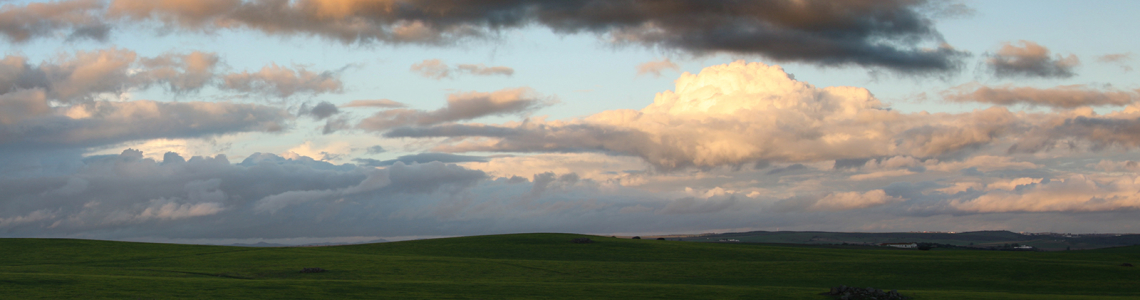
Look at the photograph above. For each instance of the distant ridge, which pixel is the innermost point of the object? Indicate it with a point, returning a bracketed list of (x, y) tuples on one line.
[(986, 239), (264, 244)]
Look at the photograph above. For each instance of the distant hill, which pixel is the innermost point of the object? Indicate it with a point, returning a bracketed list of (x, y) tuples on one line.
[(264, 244), (258, 244), (973, 239)]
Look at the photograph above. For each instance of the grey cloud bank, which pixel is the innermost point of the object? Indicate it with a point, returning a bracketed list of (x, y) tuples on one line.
[(896, 35), (266, 196)]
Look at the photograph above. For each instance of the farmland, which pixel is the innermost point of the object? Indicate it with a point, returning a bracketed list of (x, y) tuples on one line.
[(550, 266)]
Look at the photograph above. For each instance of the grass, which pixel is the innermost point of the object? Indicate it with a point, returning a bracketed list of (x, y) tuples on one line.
[(549, 266), (983, 239)]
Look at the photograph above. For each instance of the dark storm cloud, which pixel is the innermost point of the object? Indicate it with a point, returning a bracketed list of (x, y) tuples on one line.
[(894, 34)]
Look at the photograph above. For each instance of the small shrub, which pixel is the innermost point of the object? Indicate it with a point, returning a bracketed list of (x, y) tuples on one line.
[(582, 241), (660, 239), (637, 237)]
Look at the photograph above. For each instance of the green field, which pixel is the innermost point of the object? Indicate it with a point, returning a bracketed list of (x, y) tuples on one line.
[(975, 239), (549, 266)]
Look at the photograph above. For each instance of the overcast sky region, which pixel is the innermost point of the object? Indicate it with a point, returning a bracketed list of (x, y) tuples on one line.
[(294, 121)]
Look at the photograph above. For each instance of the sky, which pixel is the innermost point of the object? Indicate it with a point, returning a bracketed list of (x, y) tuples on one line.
[(299, 121)]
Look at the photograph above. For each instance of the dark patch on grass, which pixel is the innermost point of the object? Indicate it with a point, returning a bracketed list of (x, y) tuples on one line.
[(222, 275)]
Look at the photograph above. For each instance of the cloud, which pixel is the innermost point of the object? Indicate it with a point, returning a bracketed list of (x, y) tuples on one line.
[(482, 70), (436, 69), (104, 122), (127, 195), (791, 168), (1101, 131), (71, 78), (330, 152), (1117, 166), (284, 82), (460, 107), (398, 178), (984, 163), (432, 68), (273, 203), (599, 167), (1082, 129), (1120, 59), (375, 150), (655, 67), (693, 205), (21, 23), (1072, 193), (734, 114), (1012, 184), (35, 216), (321, 111), (23, 105), (82, 75), (854, 200), (168, 209), (183, 72), (1030, 60), (423, 158), (881, 174), (381, 103), (1066, 96), (897, 35), (54, 105)]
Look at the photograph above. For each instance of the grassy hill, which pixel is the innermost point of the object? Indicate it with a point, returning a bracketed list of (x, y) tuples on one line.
[(549, 266), (980, 239)]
